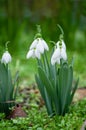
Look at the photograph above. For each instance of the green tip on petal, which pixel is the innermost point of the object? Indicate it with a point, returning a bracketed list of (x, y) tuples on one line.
[(60, 44)]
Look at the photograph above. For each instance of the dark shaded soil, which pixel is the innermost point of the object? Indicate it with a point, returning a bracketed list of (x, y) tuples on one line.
[(81, 93), (31, 94)]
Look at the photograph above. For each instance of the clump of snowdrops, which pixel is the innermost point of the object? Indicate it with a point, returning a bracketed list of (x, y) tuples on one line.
[(55, 76), (8, 87)]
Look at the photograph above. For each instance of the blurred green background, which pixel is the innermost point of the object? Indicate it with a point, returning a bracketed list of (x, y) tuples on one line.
[(18, 20)]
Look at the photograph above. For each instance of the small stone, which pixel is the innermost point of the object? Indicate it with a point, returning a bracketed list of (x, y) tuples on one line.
[(17, 112)]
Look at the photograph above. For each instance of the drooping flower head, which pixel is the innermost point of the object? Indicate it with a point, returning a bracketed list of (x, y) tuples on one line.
[(60, 51), (6, 57), (38, 46)]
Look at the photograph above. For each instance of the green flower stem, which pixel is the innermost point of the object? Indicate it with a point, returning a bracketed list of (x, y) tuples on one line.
[(45, 63), (62, 33), (38, 34), (60, 29), (38, 28), (6, 45)]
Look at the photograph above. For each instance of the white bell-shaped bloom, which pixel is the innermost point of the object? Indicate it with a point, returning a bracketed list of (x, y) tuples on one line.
[(33, 53), (37, 48), (41, 45), (6, 58), (60, 52)]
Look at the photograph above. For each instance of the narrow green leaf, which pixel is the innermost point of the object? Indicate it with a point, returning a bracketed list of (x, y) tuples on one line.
[(9, 86), (40, 86), (39, 63), (74, 89), (63, 77), (46, 81), (45, 96), (16, 84), (3, 80), (68, 89), (45, 63), (52, 75), (49, 103)]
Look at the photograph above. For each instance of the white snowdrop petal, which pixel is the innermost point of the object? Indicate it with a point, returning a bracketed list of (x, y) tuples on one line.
[(63, 45), (33, 55), (6, 58), (34, 44), (59, 53), (40, 47), (53, 61), (30, 54), (37, 54), (56, 53), (63, 54), (56, 56), (45, 45)]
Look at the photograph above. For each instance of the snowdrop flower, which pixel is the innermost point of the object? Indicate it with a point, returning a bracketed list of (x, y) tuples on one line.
[(33, 53), (34, 44), (40, 46), (37, 48), (6, 58), (60, 52)]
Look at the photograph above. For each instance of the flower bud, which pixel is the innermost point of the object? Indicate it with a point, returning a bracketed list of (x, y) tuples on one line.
[(60, 52), (6, 58)]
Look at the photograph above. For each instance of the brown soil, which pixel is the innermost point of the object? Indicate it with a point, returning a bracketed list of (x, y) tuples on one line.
[(80, 93), (32, 94)]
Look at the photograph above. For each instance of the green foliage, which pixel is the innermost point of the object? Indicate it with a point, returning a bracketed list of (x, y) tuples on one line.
[(8, 88), (56, 85), (36, 120), (23, 15)]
